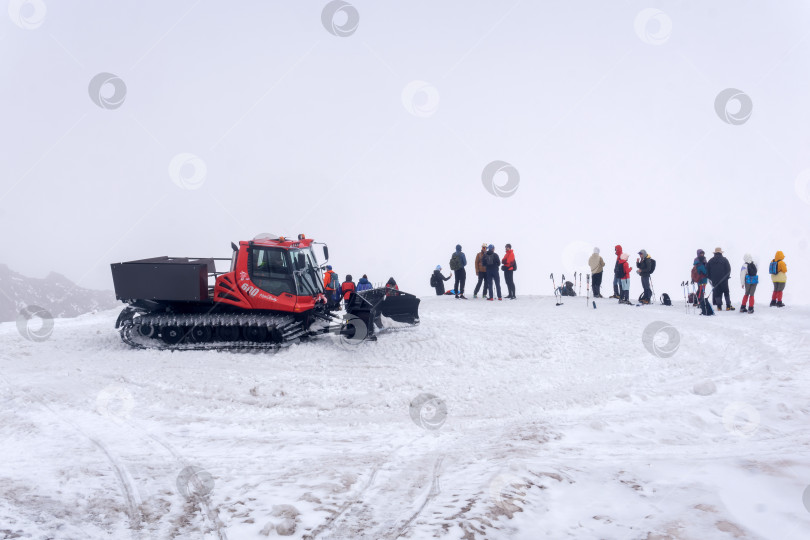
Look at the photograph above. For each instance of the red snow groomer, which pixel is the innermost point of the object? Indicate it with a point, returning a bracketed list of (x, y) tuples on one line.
[(272, 295)]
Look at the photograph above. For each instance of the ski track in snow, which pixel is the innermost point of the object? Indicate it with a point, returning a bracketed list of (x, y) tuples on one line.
[(560, 424)]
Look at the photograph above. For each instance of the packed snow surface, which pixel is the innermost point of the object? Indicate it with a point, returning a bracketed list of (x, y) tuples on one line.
[(513, 419)]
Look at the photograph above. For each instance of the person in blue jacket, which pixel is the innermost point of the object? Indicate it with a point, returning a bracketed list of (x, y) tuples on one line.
[(458, 261), (363, 284), (493, 265), (700, 275)]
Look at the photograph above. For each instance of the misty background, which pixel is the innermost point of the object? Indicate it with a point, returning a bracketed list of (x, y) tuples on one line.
[(242, 119)]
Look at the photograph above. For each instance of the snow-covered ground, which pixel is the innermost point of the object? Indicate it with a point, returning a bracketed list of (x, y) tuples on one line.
[(560, 423)]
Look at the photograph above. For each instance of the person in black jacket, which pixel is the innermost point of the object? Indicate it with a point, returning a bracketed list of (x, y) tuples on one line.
[(719, 271), (437, 280), (493, 265), (644, 267)]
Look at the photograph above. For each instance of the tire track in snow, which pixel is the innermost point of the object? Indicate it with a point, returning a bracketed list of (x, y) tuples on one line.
[(125, 481), (431, 494), (330, 522), (211, 514)]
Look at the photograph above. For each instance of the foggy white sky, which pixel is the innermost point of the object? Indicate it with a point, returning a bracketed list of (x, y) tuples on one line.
[(616, 140)]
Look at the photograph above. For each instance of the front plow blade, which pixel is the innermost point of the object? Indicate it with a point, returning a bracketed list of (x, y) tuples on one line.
[(398, 306)]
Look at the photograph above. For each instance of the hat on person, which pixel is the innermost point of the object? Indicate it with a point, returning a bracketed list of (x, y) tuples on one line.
[(328, 266), (624, 256), (596, 250), (748, 258), (508, 246), (643, 253), (718, 250), (700, 253), (490, 247), (484, 245), (438, 267)]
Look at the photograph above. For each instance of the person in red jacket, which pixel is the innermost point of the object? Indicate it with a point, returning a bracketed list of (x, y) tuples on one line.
[(509, 267), (616, 273), (347, 288), (625, 279), (330, 285)]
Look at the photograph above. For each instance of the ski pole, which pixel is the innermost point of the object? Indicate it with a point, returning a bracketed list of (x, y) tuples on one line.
[(652, 287), (580, 283), (686, 296), (587, 289), (554, 284)]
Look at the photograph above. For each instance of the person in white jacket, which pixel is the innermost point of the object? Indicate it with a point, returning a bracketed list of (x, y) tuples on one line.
[(748, 281)]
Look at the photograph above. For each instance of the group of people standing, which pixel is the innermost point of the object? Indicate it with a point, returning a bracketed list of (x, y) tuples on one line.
[(488, 267), (336, 291), (716, 271), (645, 266)]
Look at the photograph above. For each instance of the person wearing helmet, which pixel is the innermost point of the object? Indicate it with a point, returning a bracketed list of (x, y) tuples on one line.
[(492, 262), (480, 270)]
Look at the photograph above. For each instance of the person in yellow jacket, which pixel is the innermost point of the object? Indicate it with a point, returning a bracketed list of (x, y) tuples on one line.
[(778, 271)]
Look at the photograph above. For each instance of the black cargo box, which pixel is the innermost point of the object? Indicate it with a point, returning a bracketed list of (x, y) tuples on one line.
[(176, 279)]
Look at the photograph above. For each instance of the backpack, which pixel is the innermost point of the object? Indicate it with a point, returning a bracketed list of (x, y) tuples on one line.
[(695, 276), (666, 300), (692, 298), (752, 269), (618, 270), (568, 289), (432, 280), (455, 261), (773, 268), (652, 265), (334, 283)]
